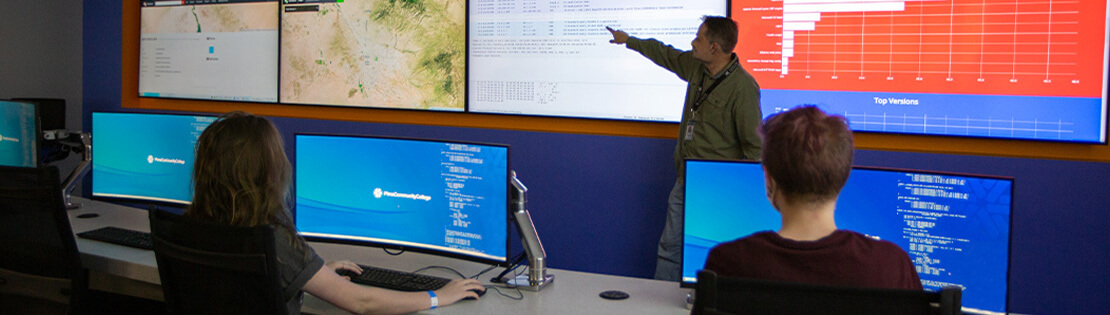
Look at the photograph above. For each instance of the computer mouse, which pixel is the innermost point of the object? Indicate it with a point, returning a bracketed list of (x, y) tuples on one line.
[(480, 293), (613, 295), (87, 215)]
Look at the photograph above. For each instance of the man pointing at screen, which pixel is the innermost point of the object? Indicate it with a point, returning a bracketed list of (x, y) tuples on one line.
[(719, 118)]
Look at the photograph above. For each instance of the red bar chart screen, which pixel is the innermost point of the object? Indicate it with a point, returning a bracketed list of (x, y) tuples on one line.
[(1025, 69)]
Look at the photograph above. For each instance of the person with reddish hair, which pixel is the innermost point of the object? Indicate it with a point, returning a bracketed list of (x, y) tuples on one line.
[(806, 158)]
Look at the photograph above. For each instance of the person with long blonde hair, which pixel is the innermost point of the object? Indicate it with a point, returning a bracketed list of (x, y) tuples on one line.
[(241, 177)]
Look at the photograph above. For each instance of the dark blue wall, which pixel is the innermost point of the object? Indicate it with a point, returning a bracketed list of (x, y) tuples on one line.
[(598, 201)]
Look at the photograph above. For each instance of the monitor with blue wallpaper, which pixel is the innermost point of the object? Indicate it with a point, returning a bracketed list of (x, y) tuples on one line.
[(19, 134), (443, 197), (955, 227), (145, 156)]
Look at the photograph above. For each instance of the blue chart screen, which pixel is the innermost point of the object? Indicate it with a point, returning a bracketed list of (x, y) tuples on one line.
[(437, 196), (955, 228), (145, 156), (1067, 119), (17, 134)]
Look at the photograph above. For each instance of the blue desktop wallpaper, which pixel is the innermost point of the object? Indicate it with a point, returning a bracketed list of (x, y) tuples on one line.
[(145, 156), (425, 194), (962, 233), (17, 134)]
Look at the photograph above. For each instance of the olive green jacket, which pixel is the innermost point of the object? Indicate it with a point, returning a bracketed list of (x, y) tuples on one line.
[(726, 120)]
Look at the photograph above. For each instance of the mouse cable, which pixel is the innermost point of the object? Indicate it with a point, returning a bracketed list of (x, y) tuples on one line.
[(491, 267), (386, 250), (441, 267), (515, 264), (518, 292)]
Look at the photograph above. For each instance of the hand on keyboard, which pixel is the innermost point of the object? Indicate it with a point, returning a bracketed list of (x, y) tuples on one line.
[(393, 279), (345, 268), (448, 291)]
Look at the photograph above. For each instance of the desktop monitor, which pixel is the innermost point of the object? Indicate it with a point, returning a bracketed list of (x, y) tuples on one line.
[(442, 197), (955, 227), (19, 134), (145, 156)]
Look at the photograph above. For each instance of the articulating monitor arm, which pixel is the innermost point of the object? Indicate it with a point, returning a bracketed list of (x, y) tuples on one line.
[(75, 141), (537, 259)]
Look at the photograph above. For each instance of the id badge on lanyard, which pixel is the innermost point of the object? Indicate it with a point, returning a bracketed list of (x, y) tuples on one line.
[(690, 126)]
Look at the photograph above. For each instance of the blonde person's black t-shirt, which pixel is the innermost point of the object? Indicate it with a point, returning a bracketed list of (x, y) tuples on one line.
[(297, 263)]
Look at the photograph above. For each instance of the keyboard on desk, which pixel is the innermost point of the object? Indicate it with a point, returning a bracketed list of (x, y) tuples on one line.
[(396, 280), (121, 236)]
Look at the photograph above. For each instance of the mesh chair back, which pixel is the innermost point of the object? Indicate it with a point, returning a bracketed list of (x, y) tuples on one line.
[(727, 295), (36, 240), (209, 268)]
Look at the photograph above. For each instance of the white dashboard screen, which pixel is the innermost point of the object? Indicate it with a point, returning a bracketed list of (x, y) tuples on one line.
[(199, 50), (553, 58)]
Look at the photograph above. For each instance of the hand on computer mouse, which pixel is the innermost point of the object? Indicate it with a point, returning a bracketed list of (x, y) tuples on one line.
[(480, 293), (459, 289)]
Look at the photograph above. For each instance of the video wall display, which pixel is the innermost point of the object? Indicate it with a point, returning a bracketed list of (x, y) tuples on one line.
[(203, 50), (997, 69), (554, 58), (374, 53), (1034, 71)]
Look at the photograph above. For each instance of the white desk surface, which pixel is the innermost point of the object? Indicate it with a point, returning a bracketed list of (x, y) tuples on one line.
[(135, 272)]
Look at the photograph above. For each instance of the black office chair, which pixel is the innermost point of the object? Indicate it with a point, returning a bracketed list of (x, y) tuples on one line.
[(40, 268), (715, 295), (210, 268)]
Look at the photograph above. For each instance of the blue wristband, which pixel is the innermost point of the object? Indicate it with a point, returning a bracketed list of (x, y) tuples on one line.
[(435, 300)]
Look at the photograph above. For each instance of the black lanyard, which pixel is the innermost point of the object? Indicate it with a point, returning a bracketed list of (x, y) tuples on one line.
[(705, 95)]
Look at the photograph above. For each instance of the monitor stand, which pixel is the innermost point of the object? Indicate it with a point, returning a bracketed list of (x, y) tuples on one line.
[(537, 277), (77, 142)]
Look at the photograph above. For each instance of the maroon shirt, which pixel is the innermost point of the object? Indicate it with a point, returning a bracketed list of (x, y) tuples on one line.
[(844, 258)]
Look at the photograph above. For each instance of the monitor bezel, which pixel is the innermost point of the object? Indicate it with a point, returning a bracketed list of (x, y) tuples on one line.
[(148, 200), (36, 142), (358, 242), (1009, 232)]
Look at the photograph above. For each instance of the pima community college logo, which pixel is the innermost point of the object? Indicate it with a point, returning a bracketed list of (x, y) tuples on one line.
[(150, 159), (377, 192)]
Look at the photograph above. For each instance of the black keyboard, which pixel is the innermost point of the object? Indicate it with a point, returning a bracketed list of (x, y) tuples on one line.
[(119, 236), (396, 280)]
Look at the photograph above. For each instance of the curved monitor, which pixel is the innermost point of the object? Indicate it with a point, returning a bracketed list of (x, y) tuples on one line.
[(955, 227), (145, 156), (440, 197), (19, 134)]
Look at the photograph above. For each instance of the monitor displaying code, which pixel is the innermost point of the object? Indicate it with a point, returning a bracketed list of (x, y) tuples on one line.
[(955, 228), (440, 197), (997, 69), (145, 156), (18, 135), (553, 58), (198, 49)]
